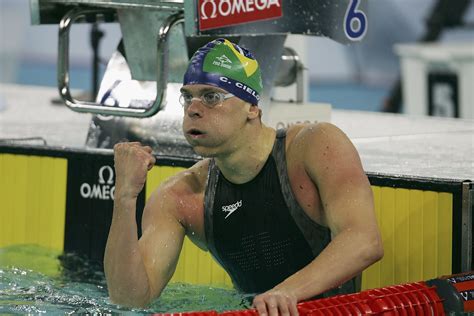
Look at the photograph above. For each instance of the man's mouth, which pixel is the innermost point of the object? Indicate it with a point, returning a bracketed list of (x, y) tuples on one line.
[(195, 132)]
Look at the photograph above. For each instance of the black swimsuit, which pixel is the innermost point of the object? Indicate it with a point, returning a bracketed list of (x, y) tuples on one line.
[(256, 230)]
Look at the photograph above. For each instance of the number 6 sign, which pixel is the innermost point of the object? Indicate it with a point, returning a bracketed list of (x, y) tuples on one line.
[(355, 22)]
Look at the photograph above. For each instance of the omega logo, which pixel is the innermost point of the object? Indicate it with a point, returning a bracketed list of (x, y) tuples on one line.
[(282, 124), (104, 190), (231, 7)]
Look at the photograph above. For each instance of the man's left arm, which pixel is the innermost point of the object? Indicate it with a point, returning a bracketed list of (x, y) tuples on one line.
[(334, 166)]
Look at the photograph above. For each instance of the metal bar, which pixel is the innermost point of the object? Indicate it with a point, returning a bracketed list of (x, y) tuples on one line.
[(466, 231), (92, 107), (300, 86), (162, 61), (96, 34), (116, 4)]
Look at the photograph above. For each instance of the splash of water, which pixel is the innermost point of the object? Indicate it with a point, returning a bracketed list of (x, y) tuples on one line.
[(34, 280)]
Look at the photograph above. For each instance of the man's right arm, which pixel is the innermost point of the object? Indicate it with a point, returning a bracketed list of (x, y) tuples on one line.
[(138, 270)]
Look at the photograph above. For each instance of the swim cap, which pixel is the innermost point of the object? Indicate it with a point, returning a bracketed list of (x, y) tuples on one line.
[(226, 65)]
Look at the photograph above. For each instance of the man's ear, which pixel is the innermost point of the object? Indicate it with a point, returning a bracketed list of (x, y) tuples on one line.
[(254, 112)]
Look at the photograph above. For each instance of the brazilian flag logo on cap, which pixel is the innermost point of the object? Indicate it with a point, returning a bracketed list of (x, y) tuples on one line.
[(228, 66), (233, 63)]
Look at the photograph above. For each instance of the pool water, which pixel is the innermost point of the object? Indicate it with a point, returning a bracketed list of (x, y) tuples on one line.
[(33, 280)]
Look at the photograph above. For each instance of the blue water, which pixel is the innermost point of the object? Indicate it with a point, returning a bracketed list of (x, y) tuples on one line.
[(43, 74), (33, 280), (349, 96)]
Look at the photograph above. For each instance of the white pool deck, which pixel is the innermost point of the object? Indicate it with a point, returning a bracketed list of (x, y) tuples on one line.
[(390, 144)]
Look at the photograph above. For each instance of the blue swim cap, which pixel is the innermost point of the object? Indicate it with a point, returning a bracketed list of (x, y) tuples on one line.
[(226, 65)]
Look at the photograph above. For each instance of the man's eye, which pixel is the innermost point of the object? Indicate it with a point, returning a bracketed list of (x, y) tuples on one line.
[(211, 97), (187, 97)]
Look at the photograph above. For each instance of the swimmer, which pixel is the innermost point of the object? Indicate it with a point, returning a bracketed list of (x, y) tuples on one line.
[(289, 214)]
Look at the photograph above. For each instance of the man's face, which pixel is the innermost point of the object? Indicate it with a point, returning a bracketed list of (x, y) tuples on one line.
[(212, 128)]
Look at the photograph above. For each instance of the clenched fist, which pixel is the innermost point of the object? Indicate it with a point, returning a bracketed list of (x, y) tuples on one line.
[(132, 162)]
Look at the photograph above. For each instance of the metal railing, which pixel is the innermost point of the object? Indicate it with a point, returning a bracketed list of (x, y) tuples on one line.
[(95, 108)]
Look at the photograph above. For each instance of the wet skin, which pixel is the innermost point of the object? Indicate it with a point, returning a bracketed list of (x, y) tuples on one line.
[(325, 174)]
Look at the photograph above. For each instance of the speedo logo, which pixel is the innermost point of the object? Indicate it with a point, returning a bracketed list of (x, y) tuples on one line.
[(229, 209)]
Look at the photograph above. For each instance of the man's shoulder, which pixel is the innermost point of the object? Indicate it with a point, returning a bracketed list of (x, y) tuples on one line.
[(313, 134), (189, 181), (181, 194)]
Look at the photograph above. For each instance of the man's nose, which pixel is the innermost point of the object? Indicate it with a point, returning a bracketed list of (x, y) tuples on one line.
[(195, 107)]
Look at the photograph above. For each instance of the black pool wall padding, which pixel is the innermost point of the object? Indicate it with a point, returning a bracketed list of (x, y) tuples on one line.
[(89, 215)]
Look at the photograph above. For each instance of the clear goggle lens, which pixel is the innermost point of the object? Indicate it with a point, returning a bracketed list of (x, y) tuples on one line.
[(209, 99)]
